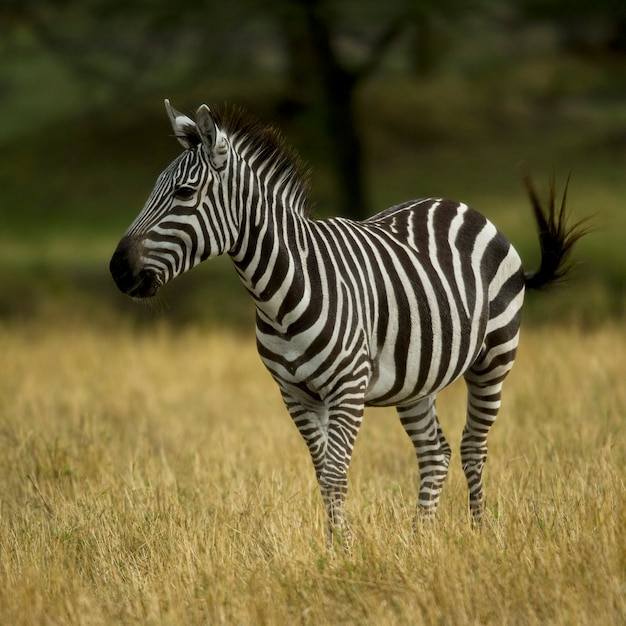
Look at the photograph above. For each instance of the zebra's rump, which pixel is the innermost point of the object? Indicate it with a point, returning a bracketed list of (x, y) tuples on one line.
[(456, 270)]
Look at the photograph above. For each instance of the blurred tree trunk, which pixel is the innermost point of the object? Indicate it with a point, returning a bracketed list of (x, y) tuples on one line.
[(319, 74), (423, 45), (337, 92)]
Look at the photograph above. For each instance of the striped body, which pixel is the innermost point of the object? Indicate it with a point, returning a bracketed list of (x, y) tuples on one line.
[(387, 311), (395, 299)]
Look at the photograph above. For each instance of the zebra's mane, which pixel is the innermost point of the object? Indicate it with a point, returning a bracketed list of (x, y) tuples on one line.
[(264, 148)]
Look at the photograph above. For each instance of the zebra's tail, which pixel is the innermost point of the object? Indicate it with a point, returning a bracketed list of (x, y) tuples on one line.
[(556, 236)]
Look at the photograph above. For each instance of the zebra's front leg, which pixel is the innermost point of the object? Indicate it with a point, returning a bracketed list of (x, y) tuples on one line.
[(329, 436), (432, 450), (343, 427), (313, 427)]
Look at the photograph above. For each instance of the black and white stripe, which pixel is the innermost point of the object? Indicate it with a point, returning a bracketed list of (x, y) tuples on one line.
[(387, 311)]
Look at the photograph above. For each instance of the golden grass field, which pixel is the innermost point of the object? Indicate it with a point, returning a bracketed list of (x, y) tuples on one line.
[(154, 477)]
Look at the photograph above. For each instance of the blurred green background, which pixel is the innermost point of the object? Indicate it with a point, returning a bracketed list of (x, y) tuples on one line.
[(385, 101)]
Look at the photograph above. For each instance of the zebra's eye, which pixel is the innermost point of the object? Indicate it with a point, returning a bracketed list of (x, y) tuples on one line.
[(184, 193)]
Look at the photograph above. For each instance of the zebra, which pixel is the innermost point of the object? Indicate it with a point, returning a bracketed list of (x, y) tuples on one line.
[(387, 311)]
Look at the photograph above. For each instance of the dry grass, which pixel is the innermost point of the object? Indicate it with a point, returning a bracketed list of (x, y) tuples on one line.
[(156, 479)]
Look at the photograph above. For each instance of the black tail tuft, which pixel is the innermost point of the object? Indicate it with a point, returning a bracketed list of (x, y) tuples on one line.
[(556, 237)]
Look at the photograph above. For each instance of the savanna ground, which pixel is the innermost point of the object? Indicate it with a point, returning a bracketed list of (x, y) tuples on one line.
[(149, 473), (133, 496)]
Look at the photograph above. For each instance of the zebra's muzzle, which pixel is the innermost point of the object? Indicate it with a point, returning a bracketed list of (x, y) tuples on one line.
[(130, 279)]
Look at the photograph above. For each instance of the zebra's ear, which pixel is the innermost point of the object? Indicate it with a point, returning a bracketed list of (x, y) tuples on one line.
[(185, 129), (213, 139)]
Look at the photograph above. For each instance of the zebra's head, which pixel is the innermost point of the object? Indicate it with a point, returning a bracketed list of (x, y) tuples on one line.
[(185, 219)]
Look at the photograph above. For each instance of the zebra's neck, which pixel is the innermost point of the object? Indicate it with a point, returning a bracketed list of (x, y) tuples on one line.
[(274, 229), (271, 260)]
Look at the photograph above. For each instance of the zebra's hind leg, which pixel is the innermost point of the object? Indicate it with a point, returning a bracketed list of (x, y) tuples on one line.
[(484, 387), (433, 452), (483, 402)]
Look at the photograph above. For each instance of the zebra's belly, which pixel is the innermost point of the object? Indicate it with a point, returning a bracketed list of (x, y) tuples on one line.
[(396, 381), (386, 392)]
